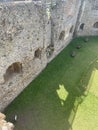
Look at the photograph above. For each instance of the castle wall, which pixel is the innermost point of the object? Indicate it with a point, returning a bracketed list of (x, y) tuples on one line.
[(22, 50), (87, 18), (63, 22), (31, 35), (27, 34)]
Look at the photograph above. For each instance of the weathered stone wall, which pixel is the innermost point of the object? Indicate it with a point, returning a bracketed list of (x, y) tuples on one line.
[(88, 16), (22, 43), (63, 22), (4, 125), (32, 34)]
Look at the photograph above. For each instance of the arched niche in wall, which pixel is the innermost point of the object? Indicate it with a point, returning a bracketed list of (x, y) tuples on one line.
[(71, 29), (62, 35), (37, 53), (12, 70), (82, 26), (95, 25)]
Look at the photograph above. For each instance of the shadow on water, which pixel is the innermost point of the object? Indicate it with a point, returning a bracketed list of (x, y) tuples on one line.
[(51, 102)]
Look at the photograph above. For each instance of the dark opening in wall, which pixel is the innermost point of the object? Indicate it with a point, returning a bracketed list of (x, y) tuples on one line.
[(71, 29), (95, 25), (13, 69), (82, 26), (37, 53), (62, 35)]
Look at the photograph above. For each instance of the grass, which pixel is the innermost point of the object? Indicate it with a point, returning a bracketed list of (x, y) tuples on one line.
[(87, 113), (52, 100)]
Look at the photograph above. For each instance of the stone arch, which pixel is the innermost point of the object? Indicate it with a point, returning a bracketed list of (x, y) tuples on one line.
[(37, 53), (71, 29), (95, 25), (62, 35), (14, 68), (82, 26)]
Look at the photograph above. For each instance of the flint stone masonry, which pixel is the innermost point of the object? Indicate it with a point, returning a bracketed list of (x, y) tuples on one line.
[(4, 125), (88, 16), (32, 34)]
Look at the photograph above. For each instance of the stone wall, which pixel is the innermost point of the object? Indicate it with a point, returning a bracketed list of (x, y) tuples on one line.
[(22, 47), (88, 18), (4, 125), (63, 22), (32, 34)]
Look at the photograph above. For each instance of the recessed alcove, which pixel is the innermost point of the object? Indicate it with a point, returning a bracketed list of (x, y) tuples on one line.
[(71, 29), (95, 25), (82, 26), (12, 70), (37, 53), (62, 35)]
